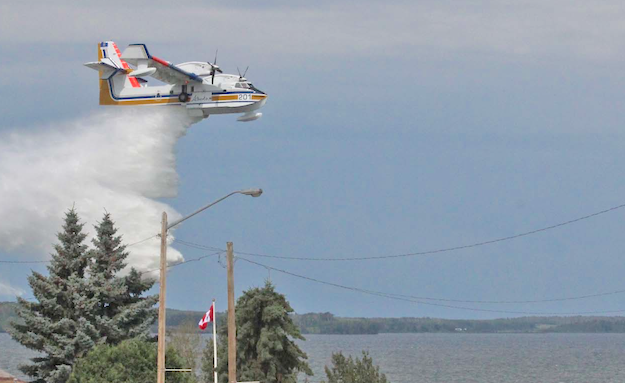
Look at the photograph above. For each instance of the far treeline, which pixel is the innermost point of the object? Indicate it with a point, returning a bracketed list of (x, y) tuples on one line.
[(327, 323)]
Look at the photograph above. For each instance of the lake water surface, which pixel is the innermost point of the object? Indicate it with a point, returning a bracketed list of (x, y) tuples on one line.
[(450, 358)]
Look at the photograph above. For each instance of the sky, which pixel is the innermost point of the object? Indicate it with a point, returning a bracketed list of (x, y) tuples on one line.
[(391, 128)]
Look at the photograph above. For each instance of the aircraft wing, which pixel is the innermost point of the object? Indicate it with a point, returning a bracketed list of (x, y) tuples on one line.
[(171, 74), (138, 55)]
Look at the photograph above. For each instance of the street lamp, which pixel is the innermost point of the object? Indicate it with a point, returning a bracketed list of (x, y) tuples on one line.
[(250, 192), (161, 302)]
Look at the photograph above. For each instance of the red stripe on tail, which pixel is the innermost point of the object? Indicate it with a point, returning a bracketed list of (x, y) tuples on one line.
[(133, 81)]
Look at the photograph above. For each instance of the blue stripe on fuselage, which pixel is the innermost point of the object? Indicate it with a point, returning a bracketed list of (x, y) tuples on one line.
[(167, 95)]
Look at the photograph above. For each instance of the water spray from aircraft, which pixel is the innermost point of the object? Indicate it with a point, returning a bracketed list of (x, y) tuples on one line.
[(121, 161)]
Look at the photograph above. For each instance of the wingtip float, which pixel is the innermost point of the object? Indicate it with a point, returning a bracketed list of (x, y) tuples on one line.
[(200, 87)]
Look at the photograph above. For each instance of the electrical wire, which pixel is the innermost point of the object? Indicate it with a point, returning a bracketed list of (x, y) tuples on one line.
[(442, 250), (184, 262), (48, 261), (196, 245), (168, 267), (24, 262), (406, 298), (428, 252), (143, 240)]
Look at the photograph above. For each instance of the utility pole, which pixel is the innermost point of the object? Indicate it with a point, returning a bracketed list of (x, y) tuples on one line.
[(232, 330), (160, 377), (160, 373)]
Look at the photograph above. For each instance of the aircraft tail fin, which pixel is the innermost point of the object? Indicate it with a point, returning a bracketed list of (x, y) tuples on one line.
[(107, 50), (109, 53), (110, 65)]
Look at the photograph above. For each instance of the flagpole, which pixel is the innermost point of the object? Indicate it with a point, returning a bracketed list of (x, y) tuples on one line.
[(214, 341)]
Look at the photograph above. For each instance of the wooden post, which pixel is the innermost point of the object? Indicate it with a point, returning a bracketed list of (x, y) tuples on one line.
[(160, 377), (232, 330)]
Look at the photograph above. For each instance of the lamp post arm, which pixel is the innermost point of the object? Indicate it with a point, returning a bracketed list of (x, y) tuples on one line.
[(201, 210)]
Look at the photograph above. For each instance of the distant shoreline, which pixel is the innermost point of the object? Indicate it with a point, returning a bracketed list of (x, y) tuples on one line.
[(328, 324)]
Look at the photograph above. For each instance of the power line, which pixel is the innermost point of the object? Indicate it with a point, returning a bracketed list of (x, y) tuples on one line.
[(428, 252), (168, 267), (48, 261), (143, 240), (587, 296), (520, 301), (197, 245), (406, 298), (615, 292), (442, 250), (197, 259), (184, 262), (11, 261)]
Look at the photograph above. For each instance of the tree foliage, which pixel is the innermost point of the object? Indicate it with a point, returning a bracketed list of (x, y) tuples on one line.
[(187, 341), (207, 370), (82, 302), (348, 370), (266, 350), (132, 360), (326, 323)]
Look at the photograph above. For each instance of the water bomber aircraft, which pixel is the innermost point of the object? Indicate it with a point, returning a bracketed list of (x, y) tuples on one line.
[(200, 87)]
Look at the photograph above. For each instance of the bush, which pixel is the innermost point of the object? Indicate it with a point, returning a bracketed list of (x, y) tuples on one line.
[(132, 361), (348, 370)]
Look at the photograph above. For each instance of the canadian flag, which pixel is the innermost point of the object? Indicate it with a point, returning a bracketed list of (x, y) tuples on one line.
[(206, 319)]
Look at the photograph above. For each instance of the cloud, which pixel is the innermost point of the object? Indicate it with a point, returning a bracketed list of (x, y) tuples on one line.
[(518, 28), (117, 160), (8, 290)]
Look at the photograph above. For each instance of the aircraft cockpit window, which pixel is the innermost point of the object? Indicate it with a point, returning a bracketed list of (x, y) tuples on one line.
[(252, 87)]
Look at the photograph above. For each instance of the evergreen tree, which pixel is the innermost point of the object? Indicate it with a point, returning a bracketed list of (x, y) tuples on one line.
[(348, 370), (117, 305), (53, 325), (266, 350), (82, 302)]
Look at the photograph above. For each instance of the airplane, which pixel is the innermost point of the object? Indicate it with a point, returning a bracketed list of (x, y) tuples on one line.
[(200, 87)]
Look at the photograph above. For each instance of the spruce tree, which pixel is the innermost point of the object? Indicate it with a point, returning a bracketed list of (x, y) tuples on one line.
[(53, 325), (266, 350), (117, 303), (82, 302)]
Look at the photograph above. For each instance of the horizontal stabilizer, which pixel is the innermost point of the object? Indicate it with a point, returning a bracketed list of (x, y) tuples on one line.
[(106, 67)]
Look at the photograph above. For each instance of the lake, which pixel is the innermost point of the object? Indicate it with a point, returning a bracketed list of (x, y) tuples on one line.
[(450, 358)]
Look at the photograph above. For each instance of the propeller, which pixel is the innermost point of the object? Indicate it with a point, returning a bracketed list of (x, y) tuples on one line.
[(214, 68)]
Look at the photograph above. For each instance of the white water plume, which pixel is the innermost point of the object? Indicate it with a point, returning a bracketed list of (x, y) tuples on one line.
[(117, 161)]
